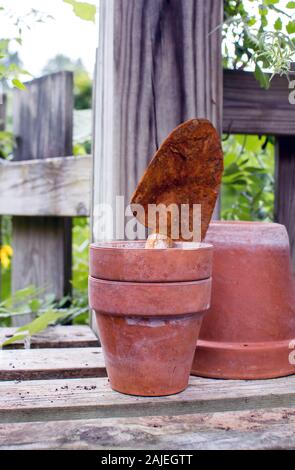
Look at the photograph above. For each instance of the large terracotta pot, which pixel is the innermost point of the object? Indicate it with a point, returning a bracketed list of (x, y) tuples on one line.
[(149, 305), (250, 326)]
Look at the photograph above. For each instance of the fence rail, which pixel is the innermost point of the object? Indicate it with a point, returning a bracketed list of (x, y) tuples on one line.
[(50, 187)]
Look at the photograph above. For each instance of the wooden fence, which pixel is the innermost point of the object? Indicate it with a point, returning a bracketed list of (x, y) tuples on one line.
[(44, 186)]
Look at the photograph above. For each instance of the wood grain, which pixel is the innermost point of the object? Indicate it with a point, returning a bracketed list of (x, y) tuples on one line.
[(285, 188), (47, 364), (159, 64), (43, 125), (250, 109), (253, 429), (54, 400), (53, 186), (70, 336)]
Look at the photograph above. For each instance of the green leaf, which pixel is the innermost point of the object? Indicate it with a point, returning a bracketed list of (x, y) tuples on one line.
[(232, 169), (271, 2), (290, 5), (262, 77), (85, 11), (291, 27), (41, 323), (251, 21), (278, 24), (12, 340), (263, 10), (35, 305), (18, 84), (79, 150), (36, 326), (264, 21)]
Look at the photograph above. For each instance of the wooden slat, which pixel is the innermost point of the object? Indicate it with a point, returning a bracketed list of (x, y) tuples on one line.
[(30, 364), (76, 336), (43, 126), (285, 188), (263, 429), (53, 186), (91, 398), (249, 109), (159, 63)]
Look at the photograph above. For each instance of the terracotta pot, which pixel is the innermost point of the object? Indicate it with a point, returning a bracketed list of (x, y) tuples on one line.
[(249, 328), (149, 330)]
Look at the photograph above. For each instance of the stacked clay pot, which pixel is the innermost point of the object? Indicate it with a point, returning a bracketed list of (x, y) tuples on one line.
[(249, 332), (149, 305)]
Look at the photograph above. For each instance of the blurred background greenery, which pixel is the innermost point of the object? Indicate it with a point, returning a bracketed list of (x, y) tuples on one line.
[(248, 182)]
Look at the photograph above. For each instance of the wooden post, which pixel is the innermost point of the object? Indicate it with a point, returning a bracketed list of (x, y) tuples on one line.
[(159, 64), (43, 123), (285, 188), (2, 127)]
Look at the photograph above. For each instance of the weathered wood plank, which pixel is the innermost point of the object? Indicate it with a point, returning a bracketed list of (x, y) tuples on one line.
[(43, 125), (75, 336), (159, 63), (249, 109), (92, 398), (263, 429), (53, 186), (285, 188), (45, 363)]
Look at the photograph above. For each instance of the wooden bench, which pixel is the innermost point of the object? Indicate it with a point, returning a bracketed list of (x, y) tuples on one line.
[(57, 396)]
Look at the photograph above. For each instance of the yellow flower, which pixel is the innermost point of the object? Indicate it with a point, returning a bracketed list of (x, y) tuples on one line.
[(6, 252)]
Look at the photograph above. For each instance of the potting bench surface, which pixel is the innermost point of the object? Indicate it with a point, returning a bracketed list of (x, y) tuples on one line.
[(56, 396)]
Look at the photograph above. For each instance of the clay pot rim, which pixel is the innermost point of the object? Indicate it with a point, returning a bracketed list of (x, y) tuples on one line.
[(225, 350), (243, 346), (115, 245), (243, 222), (146, 284)]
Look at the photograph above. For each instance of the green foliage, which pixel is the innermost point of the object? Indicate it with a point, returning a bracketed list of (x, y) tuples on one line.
[(36, 326), (5, 237), (10, 71), (82, 90), (18, 84), (275, 52), (7, 143), (261, 77), (85, 11), (81, 239), (248, 181), (45, 310), (43, 306), (10, 66), (79, 150), (257, 38)]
